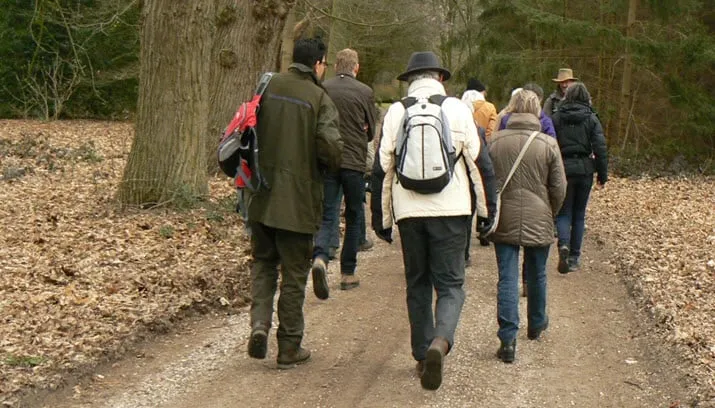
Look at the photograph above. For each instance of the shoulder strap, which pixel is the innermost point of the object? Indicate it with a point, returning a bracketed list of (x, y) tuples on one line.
[(408, 101), (519, 158), (437, 99)]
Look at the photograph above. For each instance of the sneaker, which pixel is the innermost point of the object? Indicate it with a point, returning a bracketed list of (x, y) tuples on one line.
[(366, 246), (320, 279), (563, 259), (574, 263), (348, 282), (292, 358), (258, 344), (507, 351)]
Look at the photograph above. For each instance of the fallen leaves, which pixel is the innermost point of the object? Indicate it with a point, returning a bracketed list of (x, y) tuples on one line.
[(81, 279), (662, 234)]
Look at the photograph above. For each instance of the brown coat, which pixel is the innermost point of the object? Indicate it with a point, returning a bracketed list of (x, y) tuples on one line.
[(485, 115), (537, 189)]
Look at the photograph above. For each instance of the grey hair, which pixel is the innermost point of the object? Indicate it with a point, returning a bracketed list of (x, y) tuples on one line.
[(577, 92), (526, 102), (535, 88), (423, 75)]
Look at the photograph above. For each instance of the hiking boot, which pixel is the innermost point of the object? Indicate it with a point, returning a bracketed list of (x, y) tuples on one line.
[(367, 245), (320, 279), (483, 242), (348, 282), (431, 377), (563, 259), (507, 351), (258, 343), (292, 357), (535, 333)]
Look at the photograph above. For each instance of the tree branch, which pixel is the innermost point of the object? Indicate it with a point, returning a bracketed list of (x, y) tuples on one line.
[(357, 23)]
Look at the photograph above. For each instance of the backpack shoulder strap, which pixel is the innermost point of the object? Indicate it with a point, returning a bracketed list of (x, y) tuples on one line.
[(408, 101), (437, 99)]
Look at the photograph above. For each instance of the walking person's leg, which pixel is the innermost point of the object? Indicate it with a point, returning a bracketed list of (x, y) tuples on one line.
[(581, 196), (507, 299), (353, 183), (295, 252), (331, 207), (535, 264), (447, 241), (563, 225), (335, 228), (418, 285), (264, 278)]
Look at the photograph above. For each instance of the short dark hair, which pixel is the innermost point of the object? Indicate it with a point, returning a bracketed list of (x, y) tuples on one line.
[(308, 51), (535, 88), (577, 92)]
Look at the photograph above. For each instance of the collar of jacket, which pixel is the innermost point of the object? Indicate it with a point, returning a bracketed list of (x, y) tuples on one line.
[(426, 87), (526, 121), (345, 74), (304, 69), (472, 96)]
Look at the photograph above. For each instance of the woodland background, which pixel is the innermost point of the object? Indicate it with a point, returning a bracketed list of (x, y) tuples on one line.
[(649, 64)]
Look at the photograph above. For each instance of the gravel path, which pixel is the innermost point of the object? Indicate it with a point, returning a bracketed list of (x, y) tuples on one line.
[(596, 353)]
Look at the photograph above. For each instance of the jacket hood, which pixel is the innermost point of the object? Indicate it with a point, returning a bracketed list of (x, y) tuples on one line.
[(574, 112), (523, 121)]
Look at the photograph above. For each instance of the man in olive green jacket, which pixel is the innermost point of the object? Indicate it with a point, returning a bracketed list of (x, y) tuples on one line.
[(298, 142)]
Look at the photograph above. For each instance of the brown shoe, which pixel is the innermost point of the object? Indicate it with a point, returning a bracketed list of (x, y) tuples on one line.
[(292, 357), (432, 377), (348, 282), (258, 343)]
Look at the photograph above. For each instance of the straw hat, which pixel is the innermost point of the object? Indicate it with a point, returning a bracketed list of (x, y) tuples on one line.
[(565, 74)]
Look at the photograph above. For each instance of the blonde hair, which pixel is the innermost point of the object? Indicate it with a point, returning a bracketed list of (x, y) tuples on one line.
[(345, 61), (524, 101)]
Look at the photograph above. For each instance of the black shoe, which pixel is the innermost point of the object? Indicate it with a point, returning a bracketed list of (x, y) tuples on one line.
[(467, 263), (507, 351), (320, 279), (533, 334), (564, 260), (258, 344), (484, 242)]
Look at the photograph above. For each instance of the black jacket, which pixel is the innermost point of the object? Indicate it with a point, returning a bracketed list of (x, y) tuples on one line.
[(581, 140)]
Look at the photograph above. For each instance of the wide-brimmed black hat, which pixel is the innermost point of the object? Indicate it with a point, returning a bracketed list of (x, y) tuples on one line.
[(424, 61)]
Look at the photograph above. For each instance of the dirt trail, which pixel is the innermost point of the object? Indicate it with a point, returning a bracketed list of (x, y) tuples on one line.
[(596, 352)]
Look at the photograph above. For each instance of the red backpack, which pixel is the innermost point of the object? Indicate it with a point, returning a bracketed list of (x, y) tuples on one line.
[(238, 148)]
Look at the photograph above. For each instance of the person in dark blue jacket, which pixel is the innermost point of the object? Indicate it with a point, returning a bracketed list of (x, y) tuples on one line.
[(583, 149)]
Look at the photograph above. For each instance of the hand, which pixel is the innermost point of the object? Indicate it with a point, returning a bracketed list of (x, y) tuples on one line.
[(484, 225), (385, 235)]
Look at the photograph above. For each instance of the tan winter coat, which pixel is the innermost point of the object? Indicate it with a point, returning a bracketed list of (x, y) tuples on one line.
[(538, 188)]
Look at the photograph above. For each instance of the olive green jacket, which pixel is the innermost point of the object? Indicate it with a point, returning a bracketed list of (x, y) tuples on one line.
[(298, 142)]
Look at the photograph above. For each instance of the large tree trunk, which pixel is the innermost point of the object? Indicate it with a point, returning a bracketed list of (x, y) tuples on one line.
[(167, 162), (247, 43)]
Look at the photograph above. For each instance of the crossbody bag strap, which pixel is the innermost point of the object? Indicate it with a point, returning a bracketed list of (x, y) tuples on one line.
[(519, 158)]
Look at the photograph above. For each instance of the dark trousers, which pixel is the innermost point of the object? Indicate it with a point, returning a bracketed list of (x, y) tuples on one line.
[(333, 223), (433, 254), (292, 250), (353, 186), (571, 220)]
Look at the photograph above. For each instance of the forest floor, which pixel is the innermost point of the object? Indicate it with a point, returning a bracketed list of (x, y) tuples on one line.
[(103, 306)]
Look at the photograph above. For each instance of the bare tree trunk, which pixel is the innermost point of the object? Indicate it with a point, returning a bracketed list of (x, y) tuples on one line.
[(624, 105), (246, 44), (167, 162)]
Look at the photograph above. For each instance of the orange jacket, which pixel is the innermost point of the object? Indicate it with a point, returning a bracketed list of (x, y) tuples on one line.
[(485, 115)]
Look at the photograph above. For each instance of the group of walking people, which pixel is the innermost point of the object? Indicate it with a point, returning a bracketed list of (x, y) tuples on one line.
[(511, 176)]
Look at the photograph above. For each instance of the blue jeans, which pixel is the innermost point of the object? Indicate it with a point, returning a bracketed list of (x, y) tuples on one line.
[(334, 223), (572, 217), (433, 254), (353, 186), (508, 288)]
